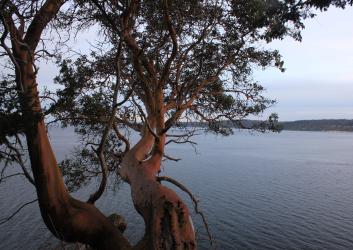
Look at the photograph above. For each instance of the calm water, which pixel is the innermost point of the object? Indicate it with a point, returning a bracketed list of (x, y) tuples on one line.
[(292, 190)]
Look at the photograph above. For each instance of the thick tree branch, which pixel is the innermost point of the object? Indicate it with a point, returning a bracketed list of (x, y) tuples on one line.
[(173, 36), (8, 51), (138, 54), (40, 21)]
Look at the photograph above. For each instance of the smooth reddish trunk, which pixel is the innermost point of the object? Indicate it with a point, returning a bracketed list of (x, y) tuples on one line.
[(167, 219), (168, 224), (67, 218)]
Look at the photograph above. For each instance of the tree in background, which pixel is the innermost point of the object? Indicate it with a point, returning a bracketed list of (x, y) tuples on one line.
[(159, 64)]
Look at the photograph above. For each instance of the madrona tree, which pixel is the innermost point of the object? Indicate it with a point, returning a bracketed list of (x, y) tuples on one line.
[(23, 23), (158, 64)]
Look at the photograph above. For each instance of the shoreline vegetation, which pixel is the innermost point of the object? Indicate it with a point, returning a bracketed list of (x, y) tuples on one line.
[(300, 125), (319, 125)]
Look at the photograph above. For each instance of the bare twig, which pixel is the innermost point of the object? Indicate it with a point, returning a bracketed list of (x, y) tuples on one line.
[(2, 178), (171, 158), (23, 167), (18, 159), (4, 220), (181, 142)]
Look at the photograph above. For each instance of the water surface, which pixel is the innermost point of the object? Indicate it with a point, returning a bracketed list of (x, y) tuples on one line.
[(291, 190)]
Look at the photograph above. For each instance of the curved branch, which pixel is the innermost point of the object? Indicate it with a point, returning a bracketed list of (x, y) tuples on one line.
[(139, 57), (40, 21), (145, 119), (122, 137), (22, 165), (2, 178), (194, 200), (180, 141), (100, 151), (9, 53), (134, 126), (168, 157), (18, 159), (173, 36), (4, 220)]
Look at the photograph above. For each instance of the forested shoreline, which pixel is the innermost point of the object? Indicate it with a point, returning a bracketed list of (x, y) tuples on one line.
[(299, 125)]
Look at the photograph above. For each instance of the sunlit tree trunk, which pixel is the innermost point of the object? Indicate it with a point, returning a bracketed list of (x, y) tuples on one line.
[(168, 224), (67, 218)]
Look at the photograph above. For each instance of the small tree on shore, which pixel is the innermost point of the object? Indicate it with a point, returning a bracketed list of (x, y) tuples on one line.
[(159, 63)]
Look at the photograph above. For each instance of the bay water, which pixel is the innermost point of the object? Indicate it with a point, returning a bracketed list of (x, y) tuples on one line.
[(292, 190)]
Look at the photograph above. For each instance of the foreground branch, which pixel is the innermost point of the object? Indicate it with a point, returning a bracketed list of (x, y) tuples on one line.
[(4, 220)]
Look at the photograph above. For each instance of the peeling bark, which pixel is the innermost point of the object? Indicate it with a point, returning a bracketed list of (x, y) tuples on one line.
[(168, 224)]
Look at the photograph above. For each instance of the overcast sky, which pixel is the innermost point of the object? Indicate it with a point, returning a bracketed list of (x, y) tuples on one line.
[(318, 82)]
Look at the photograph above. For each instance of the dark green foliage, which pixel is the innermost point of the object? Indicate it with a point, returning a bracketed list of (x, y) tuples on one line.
[(12, 124), (85, 101), (324, 4), (218, 43), (10, 115)]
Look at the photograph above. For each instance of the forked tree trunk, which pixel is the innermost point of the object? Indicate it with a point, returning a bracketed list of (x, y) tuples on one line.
[(168, 224), (167, 219)]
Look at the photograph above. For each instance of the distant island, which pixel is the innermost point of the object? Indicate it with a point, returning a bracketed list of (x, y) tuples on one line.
[(300, 125), (319, 125)]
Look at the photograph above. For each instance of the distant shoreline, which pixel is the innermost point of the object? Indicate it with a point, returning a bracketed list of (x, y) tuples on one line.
[(323, 125), (319, 125)]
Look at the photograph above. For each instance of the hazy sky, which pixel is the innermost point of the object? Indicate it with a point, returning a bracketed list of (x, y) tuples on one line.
[(318, 82)]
